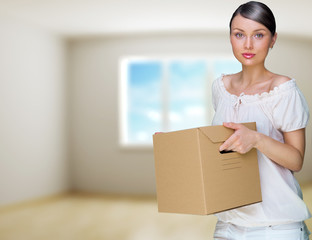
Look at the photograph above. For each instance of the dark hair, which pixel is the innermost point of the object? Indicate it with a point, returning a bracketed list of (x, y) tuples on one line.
[(258, 12)]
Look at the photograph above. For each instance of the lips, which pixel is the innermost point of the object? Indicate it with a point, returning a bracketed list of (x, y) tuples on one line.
[(248, 55)]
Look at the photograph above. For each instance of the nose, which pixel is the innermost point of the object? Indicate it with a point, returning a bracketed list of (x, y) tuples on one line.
[(248, 43)]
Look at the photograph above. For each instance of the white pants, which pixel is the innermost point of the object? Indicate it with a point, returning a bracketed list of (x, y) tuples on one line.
[(293, 231)]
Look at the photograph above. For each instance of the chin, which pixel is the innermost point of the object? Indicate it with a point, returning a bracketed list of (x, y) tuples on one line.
[(249, 62)]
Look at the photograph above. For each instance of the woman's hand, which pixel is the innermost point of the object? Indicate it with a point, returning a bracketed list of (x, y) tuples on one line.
[(241, 141), (289, 154)]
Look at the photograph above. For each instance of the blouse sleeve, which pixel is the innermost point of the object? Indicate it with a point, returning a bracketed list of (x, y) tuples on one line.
[(290, 111)]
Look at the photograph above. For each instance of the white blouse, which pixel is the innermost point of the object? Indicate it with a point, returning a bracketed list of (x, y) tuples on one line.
[(283, 109)]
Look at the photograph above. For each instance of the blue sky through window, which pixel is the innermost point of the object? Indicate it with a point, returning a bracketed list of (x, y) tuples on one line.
[(175, 94), (226, 66), (144, 100), (186, 95)]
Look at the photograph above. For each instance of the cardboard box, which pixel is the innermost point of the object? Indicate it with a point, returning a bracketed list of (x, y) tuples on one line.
[(193, 177)]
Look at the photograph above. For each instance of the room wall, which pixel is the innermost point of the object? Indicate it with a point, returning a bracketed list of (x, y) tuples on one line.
[(99, 164), (33, 154), (292, 57)]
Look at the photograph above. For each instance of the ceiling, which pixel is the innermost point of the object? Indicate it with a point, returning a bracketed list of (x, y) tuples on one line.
[(73, 18)]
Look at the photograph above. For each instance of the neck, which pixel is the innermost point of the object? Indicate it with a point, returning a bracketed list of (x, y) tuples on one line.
[(253, 74)]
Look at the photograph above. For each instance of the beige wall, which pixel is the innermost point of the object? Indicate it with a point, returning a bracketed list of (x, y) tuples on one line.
[(293, 57), (97, 161), (33, 158)]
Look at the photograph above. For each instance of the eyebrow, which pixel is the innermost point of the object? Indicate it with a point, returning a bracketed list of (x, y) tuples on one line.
[(260, 29)]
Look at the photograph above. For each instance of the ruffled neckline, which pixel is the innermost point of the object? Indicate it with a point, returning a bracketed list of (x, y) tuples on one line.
[(258, 96)]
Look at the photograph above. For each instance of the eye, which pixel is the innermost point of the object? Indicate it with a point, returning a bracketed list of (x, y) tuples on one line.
[(259, 35), (239, 35)]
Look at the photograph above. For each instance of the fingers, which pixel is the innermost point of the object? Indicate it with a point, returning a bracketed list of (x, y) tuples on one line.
[(230, 143), (232, 125), (236, 147)]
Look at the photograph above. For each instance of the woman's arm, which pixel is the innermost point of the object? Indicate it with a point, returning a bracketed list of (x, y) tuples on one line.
[(289, 154)]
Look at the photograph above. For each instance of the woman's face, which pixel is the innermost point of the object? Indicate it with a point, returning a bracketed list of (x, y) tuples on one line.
[(250, 41)]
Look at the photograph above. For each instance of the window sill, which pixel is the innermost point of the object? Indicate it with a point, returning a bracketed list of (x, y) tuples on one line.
[(136, 147)]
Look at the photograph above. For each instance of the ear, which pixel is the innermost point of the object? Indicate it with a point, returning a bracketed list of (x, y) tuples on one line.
[(273, 40)]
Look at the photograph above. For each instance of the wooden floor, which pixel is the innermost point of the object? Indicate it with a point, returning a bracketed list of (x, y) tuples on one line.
[(94, 217)]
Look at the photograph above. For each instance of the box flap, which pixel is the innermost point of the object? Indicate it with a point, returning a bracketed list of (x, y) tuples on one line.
[(217, 133), (220, 133)]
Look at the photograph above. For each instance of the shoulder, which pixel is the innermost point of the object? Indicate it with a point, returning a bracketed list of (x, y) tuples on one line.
[(229, 78), (278, 80)]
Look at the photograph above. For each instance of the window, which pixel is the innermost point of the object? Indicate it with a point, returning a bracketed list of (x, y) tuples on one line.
[(166, 94)]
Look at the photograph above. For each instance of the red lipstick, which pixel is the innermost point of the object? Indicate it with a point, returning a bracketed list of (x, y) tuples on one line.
[(248, 55)]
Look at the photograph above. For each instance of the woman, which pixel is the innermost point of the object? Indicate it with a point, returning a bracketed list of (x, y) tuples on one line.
[(278, 107)]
